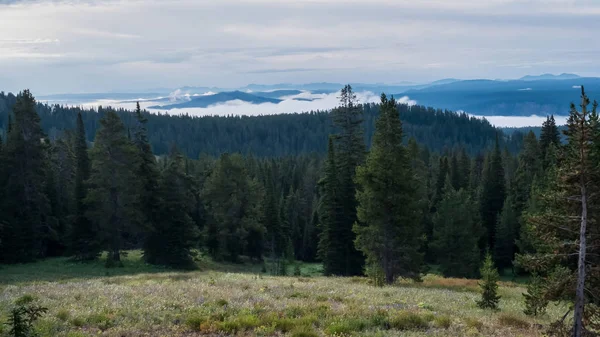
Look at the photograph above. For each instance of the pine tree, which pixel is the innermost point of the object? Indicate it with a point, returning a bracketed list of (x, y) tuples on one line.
[(26, 207), (492, 195), (535, 298), (506, 235), (489, 285), (233, 200), (84, 238), (148, 177), (548, 136), (112, 199), (567, 245), (388, 207), (174, 233), (330, 251), (455, 237), (350, 147)]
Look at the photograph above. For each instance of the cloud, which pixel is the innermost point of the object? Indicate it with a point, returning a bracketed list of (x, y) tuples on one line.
[(60, 45), (237, 107), (521, 121)]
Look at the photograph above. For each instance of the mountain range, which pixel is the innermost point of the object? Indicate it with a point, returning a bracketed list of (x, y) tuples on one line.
[(529, 95)]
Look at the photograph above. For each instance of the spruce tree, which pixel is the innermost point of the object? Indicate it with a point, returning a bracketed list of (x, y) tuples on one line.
[(26, 207), (148, 177), (112, 199), (489, 284), (456, 234), (565, 227), (350, 147), (549, 136), (388, 204), (233, 200), (506, 235), (535, 298), (329, 209), (84, 237), (492, 195), (174, 233)]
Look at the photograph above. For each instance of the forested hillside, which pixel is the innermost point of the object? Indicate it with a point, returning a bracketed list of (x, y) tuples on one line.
[(274, 135), (388, 211)]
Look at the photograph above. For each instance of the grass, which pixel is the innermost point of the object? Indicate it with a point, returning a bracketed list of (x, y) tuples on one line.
[(235, 299)]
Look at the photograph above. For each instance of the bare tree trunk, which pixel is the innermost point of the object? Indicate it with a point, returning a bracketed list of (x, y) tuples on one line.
[(580, 292), (579, 295)]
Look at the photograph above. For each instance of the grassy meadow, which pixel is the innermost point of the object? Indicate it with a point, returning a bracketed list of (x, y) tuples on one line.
[(237, 300)]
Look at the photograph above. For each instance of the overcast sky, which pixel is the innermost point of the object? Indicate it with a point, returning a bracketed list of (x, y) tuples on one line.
[(54, 46)]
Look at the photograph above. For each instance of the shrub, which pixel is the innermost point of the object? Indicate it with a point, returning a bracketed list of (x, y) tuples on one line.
[(297, 271), (407, 320), (346, 326), (63, 315), (78, 322), (513, 321), (101, 321), (473, 323), (442, 322), (194, 322), (22, 317), (304, 332)]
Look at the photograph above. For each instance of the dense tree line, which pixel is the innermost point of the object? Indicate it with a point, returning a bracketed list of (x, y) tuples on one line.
[(388, 211), (271, 135)]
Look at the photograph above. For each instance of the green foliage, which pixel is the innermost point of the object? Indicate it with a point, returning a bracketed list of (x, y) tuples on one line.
[(389, 227), (83, 237), (339, 254), (513, 321), (230, 189), (174, 234), (25, 208), (111, 200), (489, 285), (535, 298), (408, 320), (506, 235), (23, 316), (492, 195), (456, 234)]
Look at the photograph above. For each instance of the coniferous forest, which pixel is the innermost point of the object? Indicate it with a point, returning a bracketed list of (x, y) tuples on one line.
[(386, 190)]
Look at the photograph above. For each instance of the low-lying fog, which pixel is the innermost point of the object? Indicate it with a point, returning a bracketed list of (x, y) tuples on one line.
[(291, 105)]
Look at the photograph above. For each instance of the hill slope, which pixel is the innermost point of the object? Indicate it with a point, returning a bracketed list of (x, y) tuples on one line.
[(225, 300), (273, 135)]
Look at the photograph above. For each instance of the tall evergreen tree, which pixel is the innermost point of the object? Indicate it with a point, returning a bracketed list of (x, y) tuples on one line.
[(492, 195), (26, 206), (388, 207), (112, 199), (350, 152), (174, 233), (330, 250), (148, 176), (506, 235), (548, 136), (456, 234), (567, 245), (84, 238), (233, 200)]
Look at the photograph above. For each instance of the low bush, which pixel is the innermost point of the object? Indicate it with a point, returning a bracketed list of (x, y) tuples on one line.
[(513, 321), (408, 320)]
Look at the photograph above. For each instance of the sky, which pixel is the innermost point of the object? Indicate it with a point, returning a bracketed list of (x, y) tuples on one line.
[(78, 46)]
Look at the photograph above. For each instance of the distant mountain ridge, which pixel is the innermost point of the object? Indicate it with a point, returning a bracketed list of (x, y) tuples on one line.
[(222, 97), (563, 76)]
